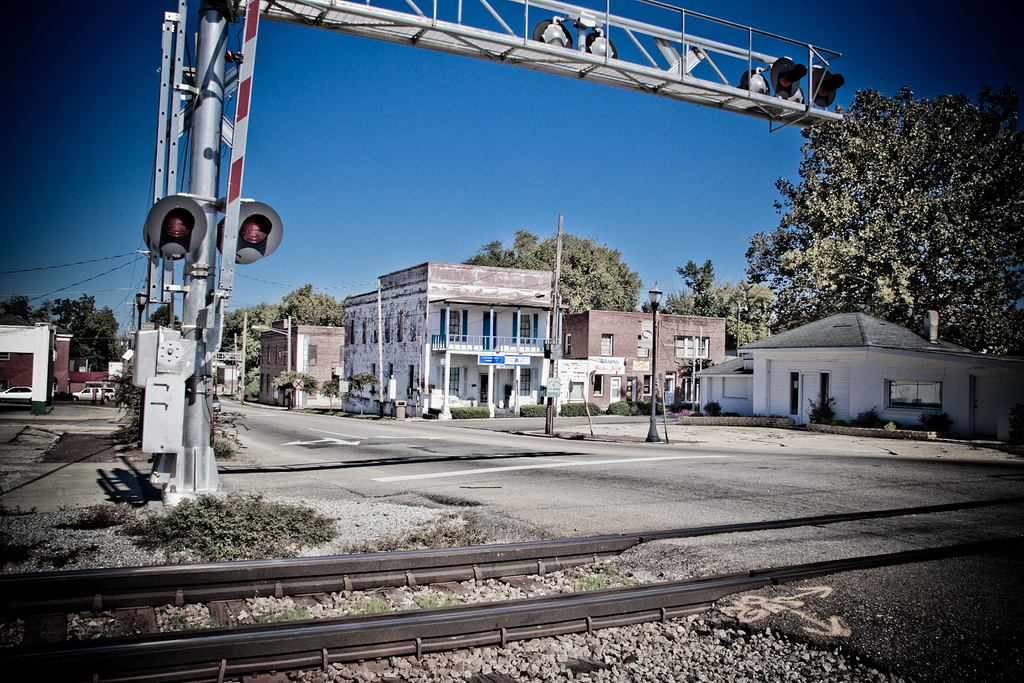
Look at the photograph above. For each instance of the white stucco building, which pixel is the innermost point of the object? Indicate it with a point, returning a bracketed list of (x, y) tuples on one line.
[(443, 335), (868, 364)]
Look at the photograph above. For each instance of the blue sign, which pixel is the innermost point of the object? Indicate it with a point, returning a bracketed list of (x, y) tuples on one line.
[(491, 360)]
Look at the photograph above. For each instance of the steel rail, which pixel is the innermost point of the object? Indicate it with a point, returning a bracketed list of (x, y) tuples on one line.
[(100, 589), (214, 654)]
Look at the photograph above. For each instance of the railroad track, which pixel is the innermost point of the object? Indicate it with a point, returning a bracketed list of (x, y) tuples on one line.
[(213, 654)]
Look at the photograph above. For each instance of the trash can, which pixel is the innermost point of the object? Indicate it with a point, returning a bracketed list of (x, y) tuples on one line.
[(399, 410)]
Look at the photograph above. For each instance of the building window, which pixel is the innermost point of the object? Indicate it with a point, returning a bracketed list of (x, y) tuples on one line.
[(455, 324), (412, 380), (607, 344), (598, 385), (525, 327), (823, 389), (311, 355), (647, 385), (684, 347), (794, 393), (914, 394), (453, 380), (387, 329), (401, 324), (525, 381), (568, 344), (364, 330), (5, 355), (641, 352)]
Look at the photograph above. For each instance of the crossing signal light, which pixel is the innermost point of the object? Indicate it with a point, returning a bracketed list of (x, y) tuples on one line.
[(754, 81), (824, 85), (785, 77), (552, 32), (259, 232), (599, 44), (176, 226)]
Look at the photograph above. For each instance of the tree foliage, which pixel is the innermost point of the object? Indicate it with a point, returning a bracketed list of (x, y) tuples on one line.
[(592, 277), (94, 331), (903, 206)]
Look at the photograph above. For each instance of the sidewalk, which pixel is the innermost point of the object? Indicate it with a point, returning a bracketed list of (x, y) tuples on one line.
[(67, 459)]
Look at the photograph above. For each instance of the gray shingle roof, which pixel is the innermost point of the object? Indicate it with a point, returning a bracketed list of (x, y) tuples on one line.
[(730, 367), (852, 330)]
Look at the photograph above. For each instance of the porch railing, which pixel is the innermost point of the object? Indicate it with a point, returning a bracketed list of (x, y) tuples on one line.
[(469, 342)]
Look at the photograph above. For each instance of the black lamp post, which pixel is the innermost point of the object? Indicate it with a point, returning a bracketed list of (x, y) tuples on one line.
[(141, 299), (652, 434)]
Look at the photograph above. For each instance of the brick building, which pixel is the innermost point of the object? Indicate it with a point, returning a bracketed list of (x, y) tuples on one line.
[(451, 335), (314, 349), (604, 359), (34, 355)]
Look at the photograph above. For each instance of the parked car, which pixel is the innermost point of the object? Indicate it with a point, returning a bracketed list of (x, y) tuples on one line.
[(17, 395), (216, 404), (94, 391)]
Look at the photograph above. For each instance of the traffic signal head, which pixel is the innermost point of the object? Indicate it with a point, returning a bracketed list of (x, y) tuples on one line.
[(599, 44), (259, 232), (824, 85), (552, 32), (754, 81), (176, 226), (785, 76)]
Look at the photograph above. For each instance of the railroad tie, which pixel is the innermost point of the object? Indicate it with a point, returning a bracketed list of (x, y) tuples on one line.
[(131, 620)]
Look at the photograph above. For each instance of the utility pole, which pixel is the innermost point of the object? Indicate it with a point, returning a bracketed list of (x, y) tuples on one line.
[(245, 339), (556, 342), (380, 355)]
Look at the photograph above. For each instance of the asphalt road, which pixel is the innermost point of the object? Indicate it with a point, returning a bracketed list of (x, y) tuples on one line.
[(949, 620)]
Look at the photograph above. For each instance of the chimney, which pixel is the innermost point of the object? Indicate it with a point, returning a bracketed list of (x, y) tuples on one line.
[(931, 326)]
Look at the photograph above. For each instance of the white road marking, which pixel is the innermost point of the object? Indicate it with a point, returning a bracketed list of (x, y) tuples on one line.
[(487, 470), (321, 441)]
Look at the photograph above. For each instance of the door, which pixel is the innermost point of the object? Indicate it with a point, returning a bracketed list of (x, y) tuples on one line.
[(616, 390), (484, 393), (809, 388), (984, 406), (631, 388)]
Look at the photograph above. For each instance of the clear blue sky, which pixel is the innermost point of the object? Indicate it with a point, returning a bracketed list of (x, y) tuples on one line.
[(379, 156)]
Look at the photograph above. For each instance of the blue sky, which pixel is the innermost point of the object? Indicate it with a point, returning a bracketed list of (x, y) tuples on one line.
[(379, 156)]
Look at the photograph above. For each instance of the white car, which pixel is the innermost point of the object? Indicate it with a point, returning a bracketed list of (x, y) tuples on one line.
[(17, 395), (93, 393)]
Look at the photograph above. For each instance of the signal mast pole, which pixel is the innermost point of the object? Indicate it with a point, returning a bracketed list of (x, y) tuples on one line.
[(198, 315)]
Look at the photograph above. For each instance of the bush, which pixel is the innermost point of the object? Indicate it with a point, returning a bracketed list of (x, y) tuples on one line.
[(680, 406), (578, 409), (822, 412), (935, 422), (238, 527), (713, 408), (892, 426), (474, 413), (866, 419), (533, 410), (623, 408), (1017, 424), (731, 415)]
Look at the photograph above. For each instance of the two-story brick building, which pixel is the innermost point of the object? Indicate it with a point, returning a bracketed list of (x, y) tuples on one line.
[(443, 335), (605, 358), (314, 349)]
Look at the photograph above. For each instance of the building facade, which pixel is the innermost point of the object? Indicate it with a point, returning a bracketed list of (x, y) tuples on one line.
[(34, 355), (606, 355), (443, 335), (316, 350)]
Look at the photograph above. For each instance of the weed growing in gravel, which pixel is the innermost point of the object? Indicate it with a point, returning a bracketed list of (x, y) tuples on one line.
[(296, 613), (374, 605), (431, 601), (101, 517), (239, 527), (447, 531), (181, 619), (605, 577)]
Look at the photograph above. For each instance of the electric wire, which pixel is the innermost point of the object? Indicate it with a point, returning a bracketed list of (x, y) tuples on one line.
[(64, 265), (56, 291)]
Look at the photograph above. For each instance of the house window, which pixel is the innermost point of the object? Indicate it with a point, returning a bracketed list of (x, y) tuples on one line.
[(525, 327), (914, 394), (647, 385), (525, 381), (401, 324), (568, 344), (453, 379), (598, 385), (607, 344), (5, 355), (364, 330), (455, 324), (794, 393), (685, 345), (823, 389), (641, 352), (311, 355)]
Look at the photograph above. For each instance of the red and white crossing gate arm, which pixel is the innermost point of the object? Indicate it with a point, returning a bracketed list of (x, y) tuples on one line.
[(234, 196)]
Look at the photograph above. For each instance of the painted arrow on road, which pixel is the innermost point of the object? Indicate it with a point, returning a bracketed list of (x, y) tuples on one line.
[(322, 441)]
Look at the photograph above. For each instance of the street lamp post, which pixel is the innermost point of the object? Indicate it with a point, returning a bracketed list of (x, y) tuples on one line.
[(141, 299), (655, 295)]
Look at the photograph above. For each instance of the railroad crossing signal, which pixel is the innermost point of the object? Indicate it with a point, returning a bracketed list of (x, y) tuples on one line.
[(175, 226)]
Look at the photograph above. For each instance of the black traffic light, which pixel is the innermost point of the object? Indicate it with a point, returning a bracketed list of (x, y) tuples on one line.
[(785, 77), (552, 31), (754, 81), (824, 85), (599, 44), (259, 232), (176, 226)]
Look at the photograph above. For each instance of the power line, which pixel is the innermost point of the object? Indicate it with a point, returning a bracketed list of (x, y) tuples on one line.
[(64, 265), (42, 296)]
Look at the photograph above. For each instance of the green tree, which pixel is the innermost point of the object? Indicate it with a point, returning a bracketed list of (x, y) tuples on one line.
[(331, 389), (288, 380), (94, 331), (703, 298), (161, 316), (593, 275), (903, 206), (309, 308), (360, 381), (19, 307)]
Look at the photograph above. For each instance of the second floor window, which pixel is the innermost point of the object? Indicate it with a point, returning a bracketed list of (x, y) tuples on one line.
[(607, 345), (685, 346), (525, 326), (568, 344), (311, 355)]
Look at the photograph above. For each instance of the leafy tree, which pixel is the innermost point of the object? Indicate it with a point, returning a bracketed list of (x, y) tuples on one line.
[(287, 380), (18, 306), (94, 332), (903, 206), (593, 276), (703, 297), (161, 316), (308, 308), (332, 390), (360, 381)]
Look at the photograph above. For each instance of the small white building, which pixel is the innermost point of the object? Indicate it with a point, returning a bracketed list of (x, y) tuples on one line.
[(865, 364), (451, 335)]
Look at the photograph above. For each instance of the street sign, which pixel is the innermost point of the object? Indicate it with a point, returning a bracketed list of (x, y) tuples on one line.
[(504, 360), (554, 387)]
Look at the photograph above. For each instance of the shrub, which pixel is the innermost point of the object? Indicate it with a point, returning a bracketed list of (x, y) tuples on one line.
[(622, 408), (730, 415), (892, 426), (579, 409), (713, 408), (935, 422), (238, 527), (533, 410), (822, 412), (866, 419), (474, 413), (1017, 424), (680, 406), (63, 396)]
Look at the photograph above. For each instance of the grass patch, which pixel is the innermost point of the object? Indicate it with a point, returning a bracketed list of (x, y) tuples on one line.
[(606, 577), (297, 613), (13, 553), (432, 601), (447, 531), (184, 622), (374, 605), (238, 527)]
